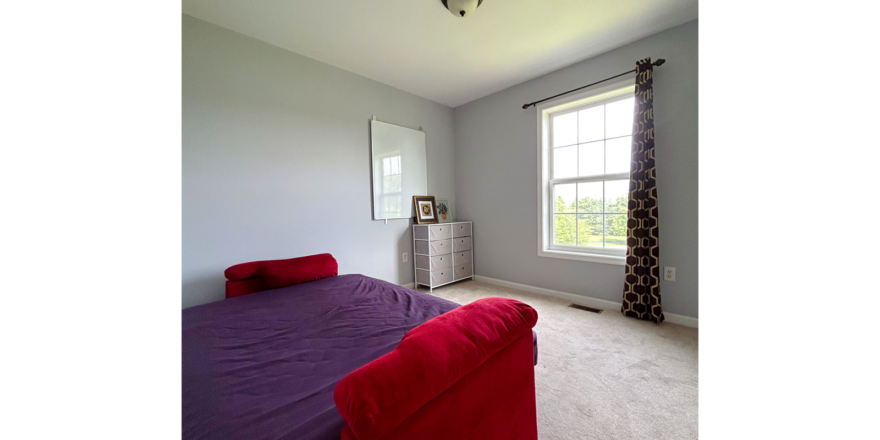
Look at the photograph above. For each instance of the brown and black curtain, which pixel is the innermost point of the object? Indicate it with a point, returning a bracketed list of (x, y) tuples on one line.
[(641, 292)]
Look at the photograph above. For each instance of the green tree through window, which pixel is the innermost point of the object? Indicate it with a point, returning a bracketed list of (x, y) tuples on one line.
[(584, 222)]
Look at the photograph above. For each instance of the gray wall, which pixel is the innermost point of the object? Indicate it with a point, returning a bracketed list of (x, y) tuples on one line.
[(276, 160), (496, 174)]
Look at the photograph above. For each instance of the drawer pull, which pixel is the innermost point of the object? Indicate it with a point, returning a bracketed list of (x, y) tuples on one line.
[(441, 258)]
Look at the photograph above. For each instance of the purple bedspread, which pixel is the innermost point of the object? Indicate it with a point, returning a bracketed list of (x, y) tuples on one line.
[(264, 366)]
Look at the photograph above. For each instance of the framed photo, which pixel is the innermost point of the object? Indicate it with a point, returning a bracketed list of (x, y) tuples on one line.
[(444, 211), (426, 209)]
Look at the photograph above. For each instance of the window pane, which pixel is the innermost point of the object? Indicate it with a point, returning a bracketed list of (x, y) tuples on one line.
[(618, 153), (591, 124), (615, 230), (565, 130), (565, 162), (619, 118), (564, 229), (616, 195), (591, 159), (590, 197), (563, 197), (589, 229)]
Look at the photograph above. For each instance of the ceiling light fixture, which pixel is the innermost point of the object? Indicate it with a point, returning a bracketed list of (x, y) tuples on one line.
[(462, 8)]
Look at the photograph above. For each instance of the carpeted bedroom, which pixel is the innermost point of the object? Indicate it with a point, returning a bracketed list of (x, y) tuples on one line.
[(437, 220)]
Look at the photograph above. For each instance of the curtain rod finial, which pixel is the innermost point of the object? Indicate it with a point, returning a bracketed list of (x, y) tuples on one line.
[(525, 106), (659, 62)]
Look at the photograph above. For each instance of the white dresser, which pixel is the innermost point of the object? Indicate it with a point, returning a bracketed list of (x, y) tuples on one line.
[(443, 253)]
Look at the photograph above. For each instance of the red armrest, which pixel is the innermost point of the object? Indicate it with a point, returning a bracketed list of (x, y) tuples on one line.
[(429, 369)]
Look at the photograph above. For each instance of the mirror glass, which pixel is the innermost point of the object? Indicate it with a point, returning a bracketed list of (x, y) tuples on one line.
[(400, 169)]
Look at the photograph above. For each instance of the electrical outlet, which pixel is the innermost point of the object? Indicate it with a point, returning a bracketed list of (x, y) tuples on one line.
[(405, 257), (668, 273)]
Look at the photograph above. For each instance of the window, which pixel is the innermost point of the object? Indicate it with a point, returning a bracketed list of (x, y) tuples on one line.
[(584, 158)]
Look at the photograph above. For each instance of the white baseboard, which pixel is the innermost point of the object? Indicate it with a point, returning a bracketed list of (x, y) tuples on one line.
[(409, 285), (597, 303)]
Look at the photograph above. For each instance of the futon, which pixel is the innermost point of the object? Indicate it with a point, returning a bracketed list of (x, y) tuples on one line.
[(265, 365)]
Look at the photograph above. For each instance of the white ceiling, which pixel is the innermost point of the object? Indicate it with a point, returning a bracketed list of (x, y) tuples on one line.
[(419, 47)]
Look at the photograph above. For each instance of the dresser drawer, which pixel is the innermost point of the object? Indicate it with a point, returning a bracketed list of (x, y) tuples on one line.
[(420, 232), (422, 247), (423, 262), (440, 232), (434, 278), (462, 257), (463, 270), (441, 276), (440, 247), (462, 244), (461, 230), (423, 277), (441, 262)]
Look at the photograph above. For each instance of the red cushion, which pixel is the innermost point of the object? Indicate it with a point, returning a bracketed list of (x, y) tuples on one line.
[(256, 276), (430, 359), (282, 273), (243, 271)]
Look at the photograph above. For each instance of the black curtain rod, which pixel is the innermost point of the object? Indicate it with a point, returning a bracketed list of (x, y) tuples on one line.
[(659, 62)]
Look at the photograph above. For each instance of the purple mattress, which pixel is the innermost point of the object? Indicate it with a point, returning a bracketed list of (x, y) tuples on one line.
[(264, 366)]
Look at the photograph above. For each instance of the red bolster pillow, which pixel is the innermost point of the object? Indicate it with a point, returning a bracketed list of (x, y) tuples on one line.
[(243, 271), (282, 273), (431, 358)]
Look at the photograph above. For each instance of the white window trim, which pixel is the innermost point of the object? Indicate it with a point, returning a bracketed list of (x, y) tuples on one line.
[(546, 248)]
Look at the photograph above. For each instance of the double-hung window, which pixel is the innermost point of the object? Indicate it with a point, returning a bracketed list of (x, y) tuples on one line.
[(584, 149)]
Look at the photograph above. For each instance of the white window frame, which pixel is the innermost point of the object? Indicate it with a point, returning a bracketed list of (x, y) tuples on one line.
[(546, 248)]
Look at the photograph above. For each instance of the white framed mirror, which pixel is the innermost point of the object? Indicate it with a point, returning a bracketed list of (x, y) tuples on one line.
[(399, 168)]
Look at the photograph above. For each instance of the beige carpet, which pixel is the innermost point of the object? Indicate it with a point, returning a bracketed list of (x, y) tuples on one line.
[(603, 376)]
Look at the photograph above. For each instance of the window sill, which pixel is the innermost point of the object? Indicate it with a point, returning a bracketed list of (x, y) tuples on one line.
[(618, 260)]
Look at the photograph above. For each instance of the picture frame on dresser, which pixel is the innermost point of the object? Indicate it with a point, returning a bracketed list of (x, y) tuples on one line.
[(443, 253), (444, 211), (426, 210)]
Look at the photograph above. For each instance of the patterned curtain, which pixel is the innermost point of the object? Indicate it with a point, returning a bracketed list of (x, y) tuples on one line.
[(641, 292)]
